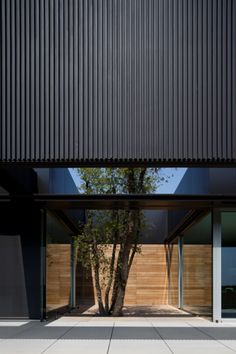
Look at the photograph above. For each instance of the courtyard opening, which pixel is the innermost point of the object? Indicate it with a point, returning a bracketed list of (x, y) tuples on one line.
[(180, 271)]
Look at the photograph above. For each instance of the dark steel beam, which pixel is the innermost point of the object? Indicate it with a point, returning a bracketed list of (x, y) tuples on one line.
[(152, 201)]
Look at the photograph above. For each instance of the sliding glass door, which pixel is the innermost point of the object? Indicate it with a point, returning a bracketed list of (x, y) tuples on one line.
[(228, 258), (197, 268)]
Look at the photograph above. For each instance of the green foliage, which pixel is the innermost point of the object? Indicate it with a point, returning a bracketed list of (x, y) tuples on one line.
[(118, 180), (98, 232)]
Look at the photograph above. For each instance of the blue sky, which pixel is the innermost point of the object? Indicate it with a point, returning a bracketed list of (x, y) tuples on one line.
[(175, 176)]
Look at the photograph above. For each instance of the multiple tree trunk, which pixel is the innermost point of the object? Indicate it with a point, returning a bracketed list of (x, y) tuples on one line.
[(124, 240)]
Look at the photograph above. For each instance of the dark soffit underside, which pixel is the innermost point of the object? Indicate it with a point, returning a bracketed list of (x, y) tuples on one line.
[(161, 201)]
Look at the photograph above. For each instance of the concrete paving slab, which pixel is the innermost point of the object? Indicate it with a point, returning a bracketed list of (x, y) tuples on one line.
[(205, 323), (132, 324), (135, 333), (89, 333), (84, 319), (229, 343), (69, 335), (42, 332), (169, 324), (197, 347), (67, 318), (130, 319), (166, 318), (13, 331), (138, 347), (95, 324), (79, 346), (220, 333), (181, 333), (13, 323), (24, 346), (62, 324)]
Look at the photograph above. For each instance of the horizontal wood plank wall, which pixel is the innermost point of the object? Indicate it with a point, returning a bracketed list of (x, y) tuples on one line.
[(58, 276), (197, 270), (148, 280)]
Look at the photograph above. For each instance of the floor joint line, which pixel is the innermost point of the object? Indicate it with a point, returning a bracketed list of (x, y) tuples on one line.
[(109, 345), (156, 330), (208, 335), (44, 351)]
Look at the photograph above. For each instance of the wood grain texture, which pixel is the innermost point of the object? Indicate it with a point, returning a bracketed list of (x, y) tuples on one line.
[(197, 275), (148, 282), (148, 279), (57, 275)]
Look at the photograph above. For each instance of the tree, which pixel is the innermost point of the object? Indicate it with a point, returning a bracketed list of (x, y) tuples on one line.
[(109, 239)]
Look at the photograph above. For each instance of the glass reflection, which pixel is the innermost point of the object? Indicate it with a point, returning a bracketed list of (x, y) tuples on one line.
[(58, 261), (197, 268), (228, 264)]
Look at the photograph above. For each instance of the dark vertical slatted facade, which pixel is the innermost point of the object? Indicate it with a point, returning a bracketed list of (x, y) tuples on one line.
[(117, 80)]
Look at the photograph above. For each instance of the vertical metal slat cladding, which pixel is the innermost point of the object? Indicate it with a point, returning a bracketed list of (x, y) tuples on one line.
[(129, 80), (3, 81), (9, 90), (71, 80), (232, 81), (61, 82), (66, 132)]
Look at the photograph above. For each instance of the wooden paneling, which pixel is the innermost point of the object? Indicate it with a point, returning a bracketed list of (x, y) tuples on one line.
[(148, 282), (58, 276), (197, 275), (148, 279)]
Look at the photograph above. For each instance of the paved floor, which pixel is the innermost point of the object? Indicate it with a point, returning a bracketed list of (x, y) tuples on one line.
[(146, 335), (134, 311)]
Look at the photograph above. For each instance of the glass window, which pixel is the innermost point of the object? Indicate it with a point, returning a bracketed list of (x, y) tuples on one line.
[(197, 268), (58, 260), (228, 220)]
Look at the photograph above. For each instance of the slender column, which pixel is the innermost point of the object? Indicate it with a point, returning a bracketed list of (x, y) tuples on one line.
[(168, 261), (43, 266), (216, 239), (180, 273)]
